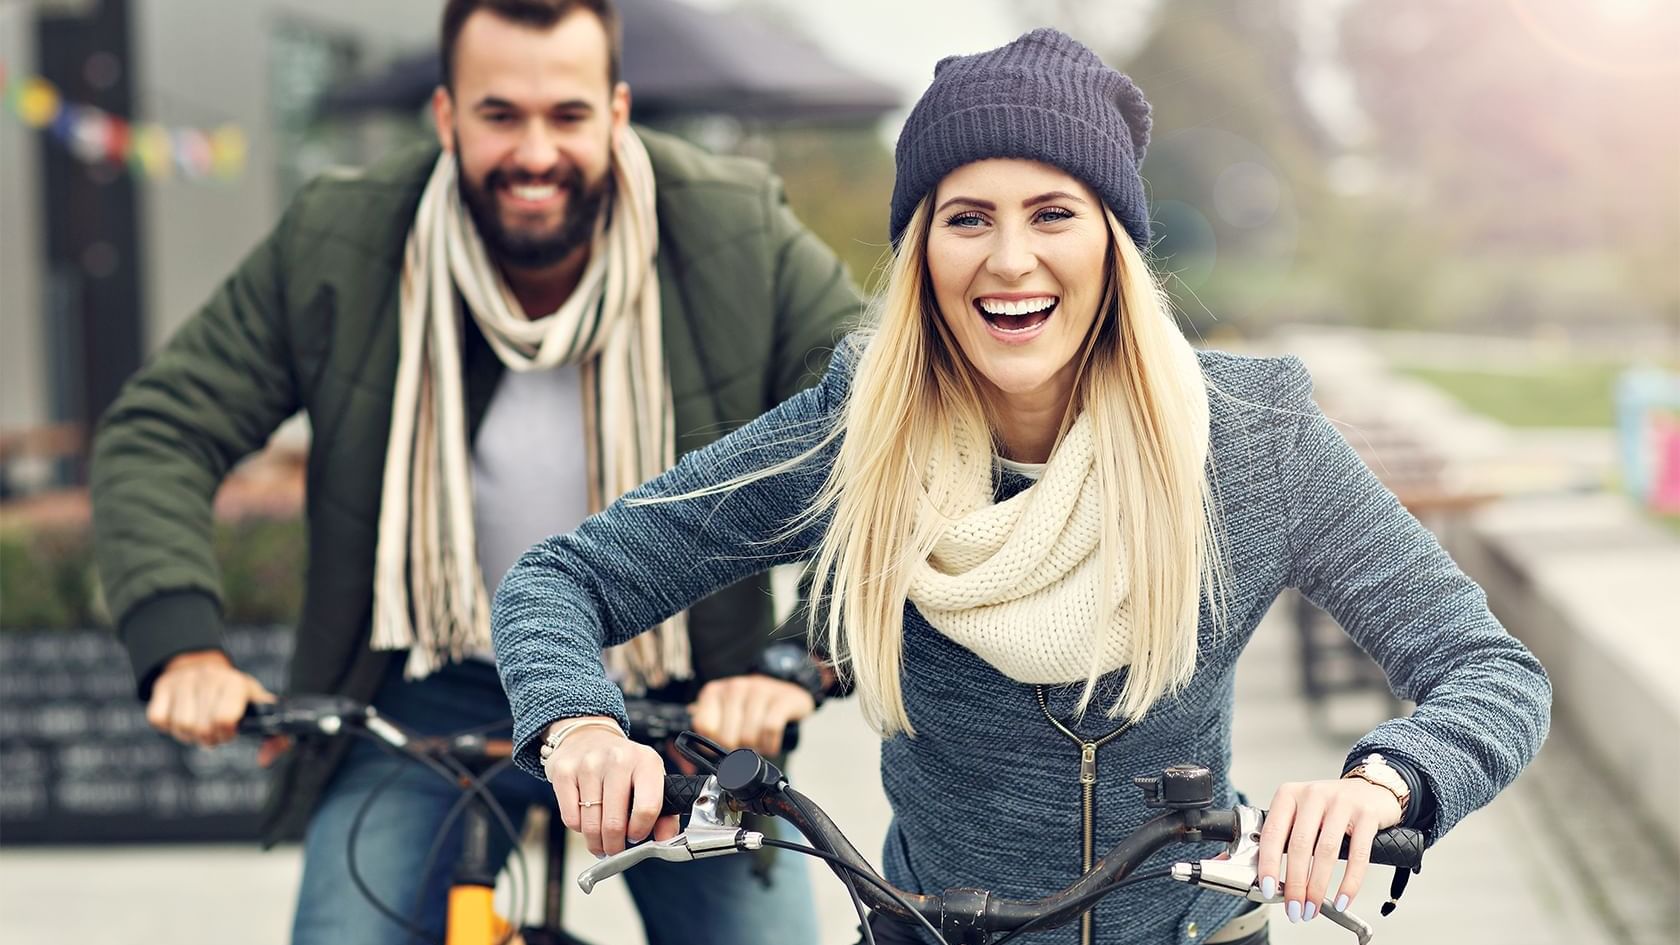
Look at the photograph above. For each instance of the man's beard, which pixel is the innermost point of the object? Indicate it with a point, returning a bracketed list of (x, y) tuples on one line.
[(524, 249)]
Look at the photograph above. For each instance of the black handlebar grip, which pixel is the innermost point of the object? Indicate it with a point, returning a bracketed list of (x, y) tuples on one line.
[(1397, 846), (654, 722), (260, 718), (681, 790)]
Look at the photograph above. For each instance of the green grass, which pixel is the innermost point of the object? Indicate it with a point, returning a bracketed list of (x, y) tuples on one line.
[(1555, 395), (1668, 521)]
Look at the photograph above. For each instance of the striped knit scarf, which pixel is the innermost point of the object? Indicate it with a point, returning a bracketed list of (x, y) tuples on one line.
[(429, 595)]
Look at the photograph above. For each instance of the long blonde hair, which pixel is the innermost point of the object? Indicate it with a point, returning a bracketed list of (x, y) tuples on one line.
[(895, 471)]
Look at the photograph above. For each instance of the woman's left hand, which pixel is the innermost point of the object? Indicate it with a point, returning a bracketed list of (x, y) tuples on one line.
[(1308, 821)]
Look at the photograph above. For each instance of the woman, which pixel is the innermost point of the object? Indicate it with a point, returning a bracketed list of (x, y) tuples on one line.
[(1038, 519)]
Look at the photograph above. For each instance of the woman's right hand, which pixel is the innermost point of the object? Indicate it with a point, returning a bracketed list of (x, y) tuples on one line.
[(609, 788)]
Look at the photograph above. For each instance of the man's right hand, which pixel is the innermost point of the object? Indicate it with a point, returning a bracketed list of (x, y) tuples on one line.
[(199, 698)]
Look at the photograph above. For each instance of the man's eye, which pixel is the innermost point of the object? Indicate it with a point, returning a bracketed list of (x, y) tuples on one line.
[(498, 118)]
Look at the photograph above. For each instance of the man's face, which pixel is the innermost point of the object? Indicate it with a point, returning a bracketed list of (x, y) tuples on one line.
[(531, 122)]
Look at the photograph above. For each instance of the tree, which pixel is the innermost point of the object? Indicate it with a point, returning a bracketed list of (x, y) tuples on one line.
[(1547, 132)]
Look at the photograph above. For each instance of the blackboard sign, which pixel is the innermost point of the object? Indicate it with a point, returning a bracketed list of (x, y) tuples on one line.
[(79, 764)]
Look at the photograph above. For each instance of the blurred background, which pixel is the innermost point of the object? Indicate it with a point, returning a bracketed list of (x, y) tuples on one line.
[(1465, 217)]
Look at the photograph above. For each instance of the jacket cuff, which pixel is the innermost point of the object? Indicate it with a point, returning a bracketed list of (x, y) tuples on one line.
[(1420, 807), (164, 626)]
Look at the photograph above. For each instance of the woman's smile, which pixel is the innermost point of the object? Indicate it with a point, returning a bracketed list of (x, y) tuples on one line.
[(1016, 318)]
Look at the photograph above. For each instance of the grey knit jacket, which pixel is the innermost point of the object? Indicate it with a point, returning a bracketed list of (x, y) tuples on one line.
[(986, 794)]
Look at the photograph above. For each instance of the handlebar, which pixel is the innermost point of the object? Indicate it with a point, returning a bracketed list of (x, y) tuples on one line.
[(651, 723), (654, 722), (1191, 820)]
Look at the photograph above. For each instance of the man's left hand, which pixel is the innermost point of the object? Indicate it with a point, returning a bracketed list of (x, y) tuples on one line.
[(750, 711)]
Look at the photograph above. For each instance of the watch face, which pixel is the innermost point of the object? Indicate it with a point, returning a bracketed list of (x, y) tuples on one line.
[(783, 662), (1379, 771)]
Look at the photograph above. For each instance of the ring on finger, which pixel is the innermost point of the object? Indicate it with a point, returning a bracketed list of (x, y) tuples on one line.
[(589, 803)]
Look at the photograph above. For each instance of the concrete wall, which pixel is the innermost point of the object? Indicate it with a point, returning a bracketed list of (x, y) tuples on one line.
[(23, 374), (207, 61), (1589, 587)]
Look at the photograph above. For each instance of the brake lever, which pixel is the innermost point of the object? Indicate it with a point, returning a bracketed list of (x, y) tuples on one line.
[(714, 829), (1239, 874)]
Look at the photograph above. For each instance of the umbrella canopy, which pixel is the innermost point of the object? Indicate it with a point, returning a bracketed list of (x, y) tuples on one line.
[(681, 60)]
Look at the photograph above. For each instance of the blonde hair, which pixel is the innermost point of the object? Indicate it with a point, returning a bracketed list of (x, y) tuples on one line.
[(886, 495)]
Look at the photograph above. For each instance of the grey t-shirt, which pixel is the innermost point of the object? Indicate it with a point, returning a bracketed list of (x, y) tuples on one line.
[(528, 467)]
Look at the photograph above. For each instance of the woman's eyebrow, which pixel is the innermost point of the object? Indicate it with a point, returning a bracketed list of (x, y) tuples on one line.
[(1052, 195), (970, 201)]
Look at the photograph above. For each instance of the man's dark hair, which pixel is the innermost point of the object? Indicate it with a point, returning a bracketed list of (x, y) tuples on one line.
[(537, 14)]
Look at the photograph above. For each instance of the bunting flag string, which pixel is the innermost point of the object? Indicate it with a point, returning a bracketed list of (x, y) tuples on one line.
[(95, 136)]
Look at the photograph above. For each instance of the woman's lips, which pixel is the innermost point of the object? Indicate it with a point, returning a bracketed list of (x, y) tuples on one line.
[(1016, 320)]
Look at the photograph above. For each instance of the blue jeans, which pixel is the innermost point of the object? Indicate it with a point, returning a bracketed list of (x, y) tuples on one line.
[(708, 901)]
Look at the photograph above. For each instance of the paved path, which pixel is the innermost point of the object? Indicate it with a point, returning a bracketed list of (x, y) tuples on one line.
[(1491, 881)]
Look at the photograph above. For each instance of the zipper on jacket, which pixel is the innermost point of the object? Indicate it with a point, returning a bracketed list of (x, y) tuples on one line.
[(1088, 791)]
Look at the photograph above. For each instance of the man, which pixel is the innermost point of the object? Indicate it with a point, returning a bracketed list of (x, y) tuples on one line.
[(490, 342)]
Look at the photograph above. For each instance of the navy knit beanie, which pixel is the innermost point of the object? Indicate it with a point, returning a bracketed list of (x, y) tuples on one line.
[(1044, 97)]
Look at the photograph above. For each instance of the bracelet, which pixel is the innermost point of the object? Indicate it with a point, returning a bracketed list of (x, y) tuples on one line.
[(551, 744)]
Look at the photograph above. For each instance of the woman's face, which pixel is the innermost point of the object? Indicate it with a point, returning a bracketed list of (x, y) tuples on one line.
[(1016, 252)]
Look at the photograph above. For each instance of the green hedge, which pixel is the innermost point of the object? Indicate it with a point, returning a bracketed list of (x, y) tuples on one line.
[(48, 579)]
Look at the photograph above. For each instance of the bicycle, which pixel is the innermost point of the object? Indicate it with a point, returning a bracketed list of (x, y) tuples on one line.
[(741, 781), (470, 760)]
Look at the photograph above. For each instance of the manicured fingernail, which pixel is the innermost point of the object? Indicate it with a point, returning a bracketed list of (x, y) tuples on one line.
[(1309, 912), (1268, 886), (1342, 903), (1293, 910)]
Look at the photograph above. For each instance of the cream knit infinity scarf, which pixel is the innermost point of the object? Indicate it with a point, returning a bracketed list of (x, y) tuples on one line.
[(1017, 582), (429, 595)]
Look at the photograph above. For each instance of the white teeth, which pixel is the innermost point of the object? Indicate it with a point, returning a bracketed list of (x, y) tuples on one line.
[(1016, 306), (539, 192)]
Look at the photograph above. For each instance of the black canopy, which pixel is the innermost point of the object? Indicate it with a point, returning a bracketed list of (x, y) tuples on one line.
[(681, 60)]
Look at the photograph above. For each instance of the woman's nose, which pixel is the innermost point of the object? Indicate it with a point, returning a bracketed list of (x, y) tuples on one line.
[(1012, 257)]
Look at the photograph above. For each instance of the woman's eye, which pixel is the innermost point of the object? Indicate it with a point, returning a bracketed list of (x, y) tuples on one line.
[(965, 220), (1054, 215)]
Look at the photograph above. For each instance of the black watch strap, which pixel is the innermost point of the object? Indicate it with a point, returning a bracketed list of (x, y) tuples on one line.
[(792, 663)]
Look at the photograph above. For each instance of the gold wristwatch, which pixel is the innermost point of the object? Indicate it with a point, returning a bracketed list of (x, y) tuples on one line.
[(1375, 769)]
